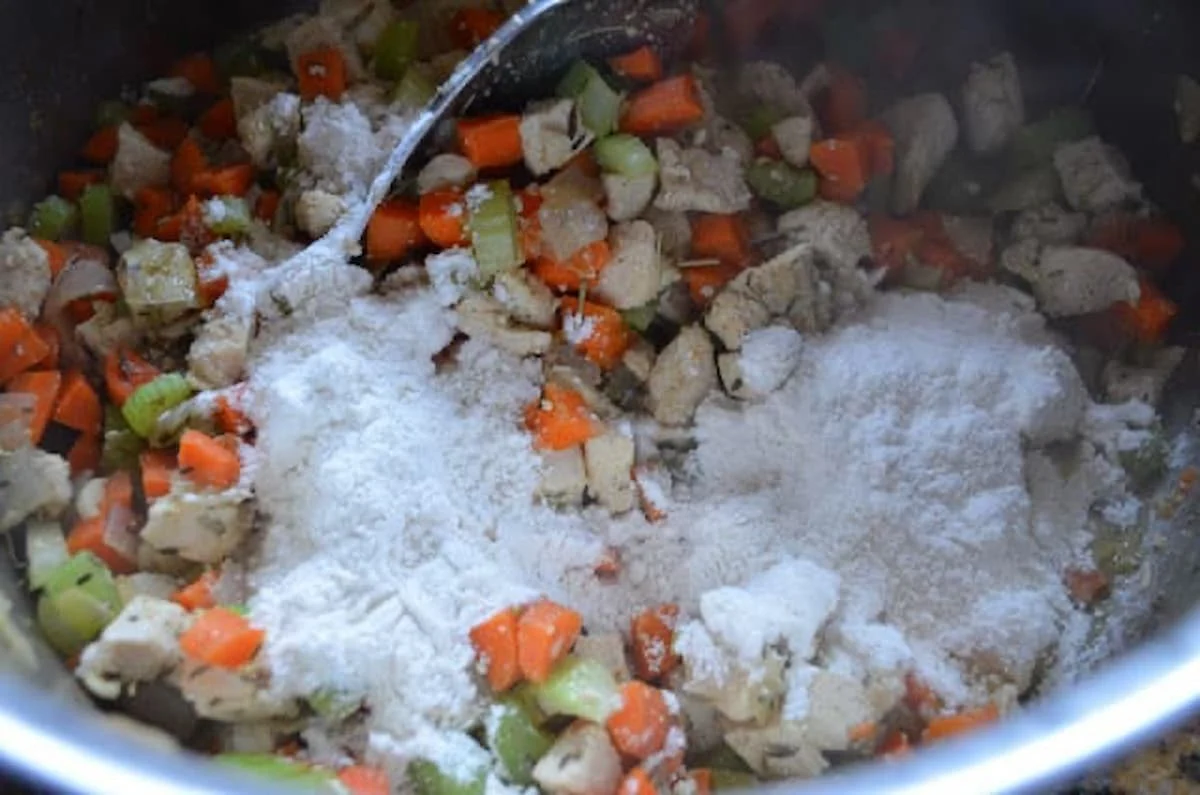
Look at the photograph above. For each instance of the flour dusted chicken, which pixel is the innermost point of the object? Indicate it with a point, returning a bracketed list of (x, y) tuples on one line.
[(217, 357), (251, 93), (564, 477), (445, 171), (774, 86), (693, 180), (141, 645), (201, 527), (1050, 224), (227, 695), (634, 275), (317, 211), (767, 358), (734, 313), (107, 330), (24, 273), (993, 104), (1095, 176), (268, 132), (683, 375), (581, 762), (609, 460), (485, 317), (673, 230), (1125, 382), (626, 198), (1078, 281), (138, 163), (795, 136), (32, 483), (925, 132), (526, 299), (836, 232), (551, 134)]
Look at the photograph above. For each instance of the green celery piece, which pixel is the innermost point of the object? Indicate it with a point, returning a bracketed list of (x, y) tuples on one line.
[(493, 225), (53, 218), (97, 214), (428, 779), (639, 318), (228, 216), (1034, 144), (85, 572), (158, 280), (120, 450), (238, 608), (515, 739), (334, 705), (580, 687), (397, 49), (72, 618), (111, 113), (599, 106), (149, 401), (758, 120), (576, 79), (780, 184), (45, 551), (280, 769), (626, 155), (416, 88), (732, 779), (1147, 464)]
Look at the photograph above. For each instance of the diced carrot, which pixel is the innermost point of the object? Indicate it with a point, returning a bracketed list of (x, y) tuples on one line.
[(198, 594), (207, 462), (230, 418), (491, 141), (101, 148), (20, 345), (443, 217), (844, 104), (57, 255), (231, 180), (560, 419), (546, 631), (724, 238), (663, 107), (88, 536), (72, 183), (530, 199), (951, 725), (583, 267), (124, 372), (702, 783), (639, 728), (893, 240), (157, 467), (895, 744), (267, 205), (43, 386), (187, 162), (919, 697), (84, 455), (637, 782), (705, 282), (1149, 318), (842, 167), (943, 256), (165, 133), (211, 281), (652, 634), (200, 70), (642, 64), (1146, 242), (219, 122), (78, 406), (143, 113), (364, 780), (863, 732), (495, 643), (49, 335), (878, 145), (608, 567), (599, 332), (394, 231), (222, 638), (1087, 586), (151, 206), (470, 27), (321, 73)]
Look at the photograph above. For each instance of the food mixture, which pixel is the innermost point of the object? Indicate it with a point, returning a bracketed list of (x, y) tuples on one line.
[(683, 430)]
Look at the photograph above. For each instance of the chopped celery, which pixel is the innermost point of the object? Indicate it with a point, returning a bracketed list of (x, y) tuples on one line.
[(493, 225), (45, 551), (158, 280), (732, 779), (334, 705), (149, 401), (416, 88), (626, 155), (397, 48), (599, 105), (1034, 144), (758, 120), (428, 779), (781, 184), (97, 214), (639, 318), (1147, 463), (111, 113), (53, 218), (239, 608), (72, 618), (576, 79), (120, 450), (85, 572), (228, 215), (280, 769), (516, 740), (581, 687)]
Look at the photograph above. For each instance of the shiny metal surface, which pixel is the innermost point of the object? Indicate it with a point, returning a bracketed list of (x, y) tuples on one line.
[(49, 739)]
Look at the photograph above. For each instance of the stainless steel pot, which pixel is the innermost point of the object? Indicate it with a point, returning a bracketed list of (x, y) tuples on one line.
[(61, 58)]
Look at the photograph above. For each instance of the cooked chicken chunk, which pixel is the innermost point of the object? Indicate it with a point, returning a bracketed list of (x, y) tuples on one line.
[(993, 105), (217, 357), (673, 230), (251, 93), (270, 129), (224, 695), (609, 460), (1078, 281), (767, 359), (1123, 382), (734, 313), (1095, 176), (683, 375), (835, 231), (581, 762), (693, 180), (138, 163), (525, 298), (925, 132), (772, 85), (633, 276), (483, 316), (317, 211), (564, 477), (202, 527), (24, 273), (1050, 224), (794, 136), (445, 171), (32, 483), (107, 330), (551, 134), (140, 645)]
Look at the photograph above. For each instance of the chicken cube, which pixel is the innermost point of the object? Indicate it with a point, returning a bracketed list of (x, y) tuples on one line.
[(993, 105), (1050, 224), (551, 134), (766, 361), (24, 273), (251, 93), (794, 136), (317, 212), (32, 483), (318, 32), (564, 477), (201, 527), (445, 171), (628, 197), (835, 231), (773, 86), (106, 330), (526, 298), (270, 129), (780, 751), (734, 313), (581, 762), (683, 375), (925, 132), (90, 498), (609, 460), (1078, 281), (1123, 382), (217, 357), (722, 136), (138, 163), (633, 276), (1095, 176), (784, 281), (836, 704), (607, 648), (140, 645), (1021, 258), (231, 696), (673, 230), (694, 180), (484, 317), (639, 359), (571, 224)]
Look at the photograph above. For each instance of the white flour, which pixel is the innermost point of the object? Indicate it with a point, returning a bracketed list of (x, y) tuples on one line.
[(399, 508)]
